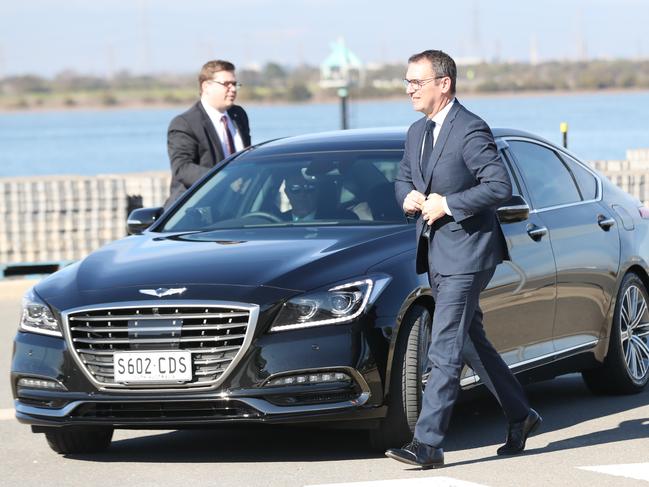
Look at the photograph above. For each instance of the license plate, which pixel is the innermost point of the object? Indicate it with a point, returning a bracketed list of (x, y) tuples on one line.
[(172, 366)]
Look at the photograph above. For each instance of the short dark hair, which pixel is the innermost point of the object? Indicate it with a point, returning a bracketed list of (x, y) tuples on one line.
[(442, 64), (211, 67)]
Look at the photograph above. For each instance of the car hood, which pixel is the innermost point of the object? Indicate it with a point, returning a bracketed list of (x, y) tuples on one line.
[(287, 260)]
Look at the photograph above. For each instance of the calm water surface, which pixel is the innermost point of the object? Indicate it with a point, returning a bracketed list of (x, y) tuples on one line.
[(602, 126)]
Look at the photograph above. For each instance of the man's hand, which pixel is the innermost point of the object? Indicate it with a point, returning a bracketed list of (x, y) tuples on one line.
[(432, 208), (413, 202)]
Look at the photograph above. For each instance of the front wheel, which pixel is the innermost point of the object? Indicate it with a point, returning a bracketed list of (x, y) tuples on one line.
[(626, 367), (78, 439), (406, 383)]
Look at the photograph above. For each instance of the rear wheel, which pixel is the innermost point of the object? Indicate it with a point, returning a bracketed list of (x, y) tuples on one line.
[(626, 367), (78, 439), (407, 381)]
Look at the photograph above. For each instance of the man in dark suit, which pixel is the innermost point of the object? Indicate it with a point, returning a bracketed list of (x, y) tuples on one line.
[(211, 130), (451, 175)]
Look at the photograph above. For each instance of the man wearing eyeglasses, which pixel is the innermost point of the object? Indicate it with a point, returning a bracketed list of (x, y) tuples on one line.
[(451, 177), (211, 130)]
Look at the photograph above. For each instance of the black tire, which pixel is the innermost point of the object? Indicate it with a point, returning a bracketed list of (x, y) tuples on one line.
[(78, 439), (404, 401), (625, 371)]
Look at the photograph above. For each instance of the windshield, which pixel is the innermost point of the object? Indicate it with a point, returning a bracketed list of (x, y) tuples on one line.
[(320, 188)]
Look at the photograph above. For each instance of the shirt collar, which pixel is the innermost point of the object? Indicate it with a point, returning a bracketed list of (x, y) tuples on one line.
[(212, 112), (441, 115)]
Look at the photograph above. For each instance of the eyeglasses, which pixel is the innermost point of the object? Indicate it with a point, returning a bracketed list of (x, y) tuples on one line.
[(226, 84), (301, 188), (418, 83)]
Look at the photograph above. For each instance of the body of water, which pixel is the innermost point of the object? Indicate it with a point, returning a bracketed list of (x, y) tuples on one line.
[(602, 126)]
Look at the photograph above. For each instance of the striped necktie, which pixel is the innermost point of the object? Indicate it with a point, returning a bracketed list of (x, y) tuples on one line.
[(228, 136)]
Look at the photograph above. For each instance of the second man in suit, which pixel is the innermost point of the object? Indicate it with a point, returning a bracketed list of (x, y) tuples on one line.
[(211, 130), (452, 176)]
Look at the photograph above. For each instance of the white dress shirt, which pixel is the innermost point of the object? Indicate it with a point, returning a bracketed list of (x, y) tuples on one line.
[(215, 116)]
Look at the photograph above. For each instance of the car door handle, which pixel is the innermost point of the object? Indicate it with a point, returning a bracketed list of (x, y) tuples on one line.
[(605, 223), (536, 233)]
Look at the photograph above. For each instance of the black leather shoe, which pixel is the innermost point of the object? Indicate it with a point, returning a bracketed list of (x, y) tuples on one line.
[(518, 433), (419, 454)]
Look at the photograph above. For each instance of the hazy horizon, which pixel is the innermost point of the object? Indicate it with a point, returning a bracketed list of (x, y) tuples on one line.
[(154, 36)]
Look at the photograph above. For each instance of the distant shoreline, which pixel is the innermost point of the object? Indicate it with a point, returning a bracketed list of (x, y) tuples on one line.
[(181, 106)]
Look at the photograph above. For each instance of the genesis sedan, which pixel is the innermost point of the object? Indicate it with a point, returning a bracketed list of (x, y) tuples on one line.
[(282, 288)]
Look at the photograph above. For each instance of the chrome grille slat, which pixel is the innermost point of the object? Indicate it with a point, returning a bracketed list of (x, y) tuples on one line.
[(121, 341), (98, 364), (212, 334), (161, 316), (210, 361), (114, 329), (95, 351), (202, 373)]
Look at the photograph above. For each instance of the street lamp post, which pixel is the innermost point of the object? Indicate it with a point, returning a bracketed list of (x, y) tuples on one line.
[(343, 93)]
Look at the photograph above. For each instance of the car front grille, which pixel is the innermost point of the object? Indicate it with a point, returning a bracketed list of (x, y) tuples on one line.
[(214, 334)]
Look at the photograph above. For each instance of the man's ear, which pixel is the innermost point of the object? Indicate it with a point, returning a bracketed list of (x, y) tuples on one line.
[(446, 85)]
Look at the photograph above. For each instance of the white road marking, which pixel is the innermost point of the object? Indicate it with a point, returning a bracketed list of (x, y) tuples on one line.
[(637, 471), (6, 414), (416, 482)]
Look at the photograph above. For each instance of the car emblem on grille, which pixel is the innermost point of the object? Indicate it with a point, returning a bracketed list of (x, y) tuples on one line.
[(162, 292)]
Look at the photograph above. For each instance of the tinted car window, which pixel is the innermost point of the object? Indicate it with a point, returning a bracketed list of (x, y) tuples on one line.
[(333, 188), (585, 180), (547, 179)]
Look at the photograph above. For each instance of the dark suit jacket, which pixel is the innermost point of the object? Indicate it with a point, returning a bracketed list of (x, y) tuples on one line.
[(466, 168), (194, 146)]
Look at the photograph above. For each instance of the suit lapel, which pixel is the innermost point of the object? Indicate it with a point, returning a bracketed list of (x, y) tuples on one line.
[(441, 142), (211, 134)]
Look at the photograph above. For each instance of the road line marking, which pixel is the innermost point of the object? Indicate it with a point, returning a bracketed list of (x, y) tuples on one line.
[(7, 414), (637, 471), (415, 482)]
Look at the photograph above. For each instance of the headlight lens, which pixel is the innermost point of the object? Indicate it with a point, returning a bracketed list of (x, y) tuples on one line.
[(37, 317), (339, 304)]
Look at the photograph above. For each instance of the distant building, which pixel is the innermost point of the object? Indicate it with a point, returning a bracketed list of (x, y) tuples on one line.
[(341, 68)]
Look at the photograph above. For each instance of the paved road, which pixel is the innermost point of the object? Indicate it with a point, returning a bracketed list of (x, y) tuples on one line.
[(585, 441)]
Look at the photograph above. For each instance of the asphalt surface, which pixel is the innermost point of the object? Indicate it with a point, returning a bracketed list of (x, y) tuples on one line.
[(585, 440)]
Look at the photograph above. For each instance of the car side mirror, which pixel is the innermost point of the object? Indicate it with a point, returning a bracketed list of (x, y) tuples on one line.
[(515, 210), (141, 219)]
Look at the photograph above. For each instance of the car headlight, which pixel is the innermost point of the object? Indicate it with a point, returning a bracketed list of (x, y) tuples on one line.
[(338, 304), (37, 317)]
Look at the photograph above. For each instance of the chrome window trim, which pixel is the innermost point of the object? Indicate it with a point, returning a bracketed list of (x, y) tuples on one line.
[(474, 378), (252, 309), (597, 198)]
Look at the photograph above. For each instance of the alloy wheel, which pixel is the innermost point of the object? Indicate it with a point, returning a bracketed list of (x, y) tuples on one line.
[(634, 332)]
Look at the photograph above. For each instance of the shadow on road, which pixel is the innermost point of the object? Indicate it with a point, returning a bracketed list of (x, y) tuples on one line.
[(477, 422)]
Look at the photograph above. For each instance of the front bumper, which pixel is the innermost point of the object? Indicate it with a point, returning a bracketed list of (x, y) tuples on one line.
[(328, 403), (241, 398)]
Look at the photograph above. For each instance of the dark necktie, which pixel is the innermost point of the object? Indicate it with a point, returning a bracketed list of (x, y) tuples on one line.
[(426, 152), (427, 146), (228, 136)]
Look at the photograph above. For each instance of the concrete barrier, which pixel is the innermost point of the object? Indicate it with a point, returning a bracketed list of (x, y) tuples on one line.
[(45, 220)]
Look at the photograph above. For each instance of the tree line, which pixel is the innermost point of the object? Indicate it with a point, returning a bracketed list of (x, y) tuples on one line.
[(277, 83)]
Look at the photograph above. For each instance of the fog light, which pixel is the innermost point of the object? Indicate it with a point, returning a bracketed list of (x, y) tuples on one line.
[(317, 378), (34, 383)]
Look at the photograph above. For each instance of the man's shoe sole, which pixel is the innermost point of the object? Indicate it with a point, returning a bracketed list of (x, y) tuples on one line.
[(412, 462)]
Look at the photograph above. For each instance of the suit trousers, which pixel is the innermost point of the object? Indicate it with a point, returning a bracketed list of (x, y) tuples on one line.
[(458, 337)]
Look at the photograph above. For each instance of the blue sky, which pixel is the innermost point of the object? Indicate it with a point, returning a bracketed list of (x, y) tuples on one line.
[(102, 36)]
